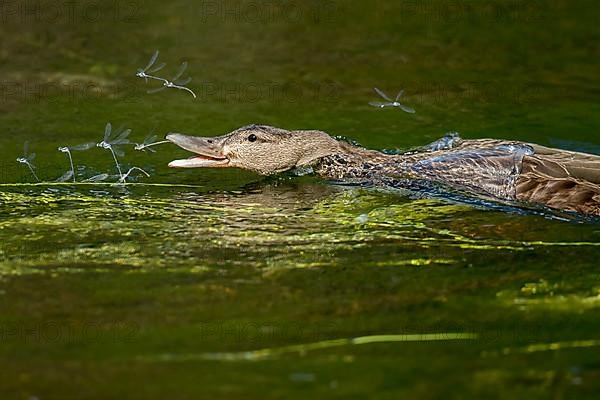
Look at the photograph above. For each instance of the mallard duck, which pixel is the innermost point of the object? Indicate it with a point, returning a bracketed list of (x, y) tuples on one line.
[(505, 170)]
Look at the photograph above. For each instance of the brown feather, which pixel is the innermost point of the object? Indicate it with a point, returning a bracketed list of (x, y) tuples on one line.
[(561, 179)]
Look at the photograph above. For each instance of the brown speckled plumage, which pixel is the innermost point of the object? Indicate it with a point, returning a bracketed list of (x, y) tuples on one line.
[(561, 179)]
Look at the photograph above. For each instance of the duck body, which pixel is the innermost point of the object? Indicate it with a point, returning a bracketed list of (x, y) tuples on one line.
[(510, 171)]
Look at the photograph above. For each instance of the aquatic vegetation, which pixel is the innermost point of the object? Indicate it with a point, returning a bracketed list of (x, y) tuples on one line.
[(390, 102), (544, 347), (26, 159), (175, 82), (111, 140), (67, 150), (274, 352)]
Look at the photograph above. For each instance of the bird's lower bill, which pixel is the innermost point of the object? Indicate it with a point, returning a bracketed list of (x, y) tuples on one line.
[(208, 153), (200, 161)]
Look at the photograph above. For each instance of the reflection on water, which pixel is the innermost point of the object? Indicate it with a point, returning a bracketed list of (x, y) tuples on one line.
[(270, 227)]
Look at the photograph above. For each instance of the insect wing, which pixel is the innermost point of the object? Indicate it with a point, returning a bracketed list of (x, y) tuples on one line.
[(180, 71), (118, 142), (378, 104), (118, 151), (400, 95), (407, 109), (121, 137), (157, 68), (152, 60), (150, 139), (84, 146), (107, 131), (31, 157), (383, 95), (160, 89), (184, 82)]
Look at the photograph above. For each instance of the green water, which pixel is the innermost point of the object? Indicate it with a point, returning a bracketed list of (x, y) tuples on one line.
[(202, 283)]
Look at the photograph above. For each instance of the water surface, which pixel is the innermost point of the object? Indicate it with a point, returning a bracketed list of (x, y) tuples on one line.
[(198, 283)]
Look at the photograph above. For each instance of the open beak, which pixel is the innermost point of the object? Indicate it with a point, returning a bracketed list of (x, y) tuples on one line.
[(209, 151)]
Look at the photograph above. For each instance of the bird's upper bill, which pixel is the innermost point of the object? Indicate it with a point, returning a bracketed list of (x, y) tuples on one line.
[(209, 151)]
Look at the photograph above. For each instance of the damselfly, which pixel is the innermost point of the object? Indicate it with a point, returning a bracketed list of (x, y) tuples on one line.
[(150, 69), (112, 139), (68, 149), (27, 159), (176, 82), (391, 103), (149, 142)]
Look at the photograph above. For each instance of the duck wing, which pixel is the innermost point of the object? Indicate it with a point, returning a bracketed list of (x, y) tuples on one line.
[(491, 171), (578, 165), (561, 179)]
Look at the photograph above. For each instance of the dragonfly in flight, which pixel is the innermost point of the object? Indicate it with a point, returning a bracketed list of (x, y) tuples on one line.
[(391, 103), (150, 69), (175, 82)]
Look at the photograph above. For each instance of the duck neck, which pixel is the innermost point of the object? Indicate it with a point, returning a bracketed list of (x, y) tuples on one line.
[(351, 161)]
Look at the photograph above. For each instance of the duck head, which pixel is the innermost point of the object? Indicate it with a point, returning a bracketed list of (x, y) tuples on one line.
[(263, 149)]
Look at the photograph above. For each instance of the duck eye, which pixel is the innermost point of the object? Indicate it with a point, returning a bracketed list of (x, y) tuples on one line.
[(252, 138)]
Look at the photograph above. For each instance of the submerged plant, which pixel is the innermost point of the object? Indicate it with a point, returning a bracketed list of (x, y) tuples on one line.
[(68, 150), (27, 159), (112, 139), (175, 82), (390, 102)]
